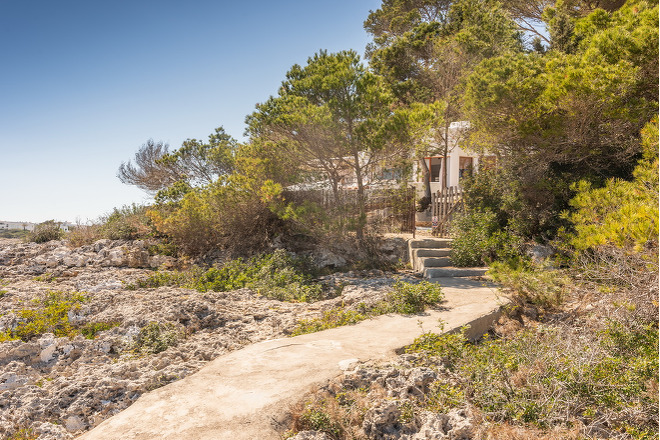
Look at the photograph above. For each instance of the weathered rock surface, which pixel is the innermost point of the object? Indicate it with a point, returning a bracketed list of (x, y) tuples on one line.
[(394, 404), (60, 386)]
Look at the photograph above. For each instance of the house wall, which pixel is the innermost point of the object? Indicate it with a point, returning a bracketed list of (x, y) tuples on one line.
[(17, 225)]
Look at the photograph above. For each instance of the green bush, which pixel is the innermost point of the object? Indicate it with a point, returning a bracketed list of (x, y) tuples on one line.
[(14, 233), (478, 239), (23, 434), (405, 298), (46, 231), (48, 315), (92, 329), (228, 214), (528, 284), (553, 376), (154, 338), (126, 223), (408, 298), (332, 318), (316, 419), (622, 214), (277, 276)]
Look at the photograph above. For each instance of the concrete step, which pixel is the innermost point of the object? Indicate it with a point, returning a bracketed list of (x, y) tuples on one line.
[(449, 271), (429, 243), (436, 262), (433, 252), (419, 256)]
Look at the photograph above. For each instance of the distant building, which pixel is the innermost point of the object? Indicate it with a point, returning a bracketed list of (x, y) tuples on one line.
[(28, 226), (21, 226)]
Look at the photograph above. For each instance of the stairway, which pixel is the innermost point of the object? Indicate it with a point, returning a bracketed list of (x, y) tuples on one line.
[(430, 257)]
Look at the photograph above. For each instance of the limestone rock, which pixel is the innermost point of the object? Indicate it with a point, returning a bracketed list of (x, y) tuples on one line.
[(311, 435), (59, 386)]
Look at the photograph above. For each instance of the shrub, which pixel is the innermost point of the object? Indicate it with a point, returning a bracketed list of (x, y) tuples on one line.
[(478, 239), (46, 231), (622, 214), (316, 419), (277, 276), (154, 338), (82, 235), (405, 298), (49, 315), (554, 376), (23, 434), (529, 285), (408, 298), (92, 329), (126, 223), (228, 215), (336, 317)]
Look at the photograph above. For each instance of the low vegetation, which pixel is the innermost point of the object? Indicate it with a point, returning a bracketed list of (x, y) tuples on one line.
[(46, 231), (154, 338), (405, 298), (278, 276), (50, 314)]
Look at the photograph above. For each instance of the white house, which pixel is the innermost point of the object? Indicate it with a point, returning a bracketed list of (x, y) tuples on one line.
[(460, 163), (21, 226)]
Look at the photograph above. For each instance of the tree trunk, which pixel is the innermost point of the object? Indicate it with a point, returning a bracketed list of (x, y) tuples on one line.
[(362, 209)]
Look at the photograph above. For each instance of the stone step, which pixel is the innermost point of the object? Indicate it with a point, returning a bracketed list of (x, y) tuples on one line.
[(449, 271)]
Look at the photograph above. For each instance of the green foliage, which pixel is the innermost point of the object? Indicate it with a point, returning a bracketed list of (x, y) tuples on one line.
[(46, 231), (13, 233), (173, 174), (278, 276), (408, 298), (228, 214), (23, 434), (332, 318), (405, 298), (49, 314), (154, 338), (126, 223), (315, 419), (558, 118), (332, 118), (165, 278), (92, 329), (547, 377), (530, 285), (622, 213), (478, 239), (448, 346)]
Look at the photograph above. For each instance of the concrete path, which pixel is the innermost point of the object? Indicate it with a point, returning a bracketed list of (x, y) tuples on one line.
[(247, 394)]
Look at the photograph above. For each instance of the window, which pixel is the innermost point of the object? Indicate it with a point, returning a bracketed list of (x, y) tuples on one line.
[(464, 167)]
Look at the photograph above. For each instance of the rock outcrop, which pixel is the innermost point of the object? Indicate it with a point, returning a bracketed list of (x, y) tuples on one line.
[(58, 386)]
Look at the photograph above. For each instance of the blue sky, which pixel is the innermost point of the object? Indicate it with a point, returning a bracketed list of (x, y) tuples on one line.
[(84, 83)]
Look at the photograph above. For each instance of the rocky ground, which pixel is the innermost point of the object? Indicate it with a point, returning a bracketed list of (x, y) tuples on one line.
[(380, 401), (57, 387)]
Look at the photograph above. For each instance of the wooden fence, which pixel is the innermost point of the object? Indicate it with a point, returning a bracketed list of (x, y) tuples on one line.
[(444, 204), (388, 209)]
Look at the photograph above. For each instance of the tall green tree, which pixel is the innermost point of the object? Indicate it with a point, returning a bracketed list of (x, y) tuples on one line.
[(331, 115), (426, 49), (560, 117)]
